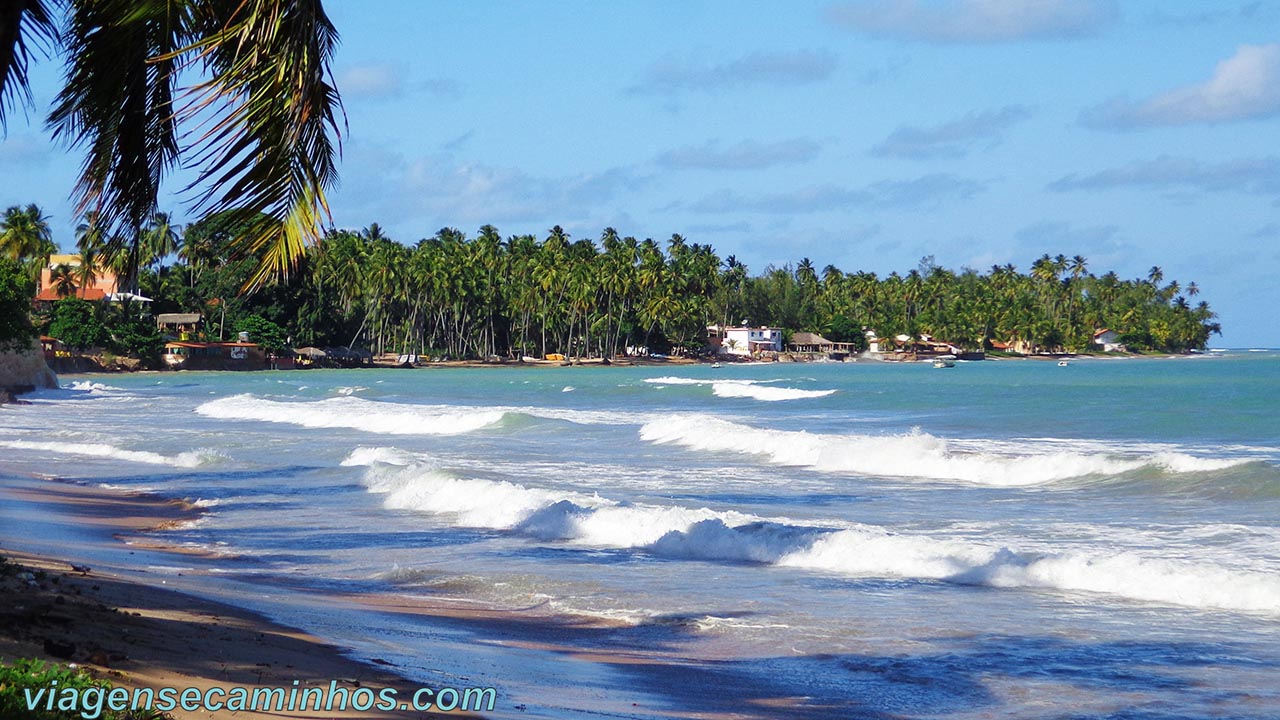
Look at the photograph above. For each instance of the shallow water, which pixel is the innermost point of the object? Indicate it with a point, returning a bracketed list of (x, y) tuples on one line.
[(1000, 539)]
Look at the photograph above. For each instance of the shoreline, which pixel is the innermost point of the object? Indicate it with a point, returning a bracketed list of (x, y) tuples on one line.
[(139, 634), (136, 633)]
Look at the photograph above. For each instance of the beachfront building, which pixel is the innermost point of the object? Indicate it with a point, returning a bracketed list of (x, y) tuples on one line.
[(179, 326), (873, 341), (1108, 340), (744, 340), (807, 342), (61, 277)]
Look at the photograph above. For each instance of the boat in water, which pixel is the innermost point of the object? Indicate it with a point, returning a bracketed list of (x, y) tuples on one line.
[(944, 361)]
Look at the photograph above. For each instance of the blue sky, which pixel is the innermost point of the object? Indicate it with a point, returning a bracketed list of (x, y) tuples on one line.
[(862, 134)]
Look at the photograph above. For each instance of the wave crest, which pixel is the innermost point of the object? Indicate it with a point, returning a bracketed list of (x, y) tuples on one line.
[(856, 551), (354, 413), (189, 459), (913, 455), (873, 552)]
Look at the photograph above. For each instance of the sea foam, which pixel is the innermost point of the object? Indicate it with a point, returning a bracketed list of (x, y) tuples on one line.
[(912, 455), (355, 413), (765, 392), (874, 552), (752, 389), (852, 549), (190, 459)]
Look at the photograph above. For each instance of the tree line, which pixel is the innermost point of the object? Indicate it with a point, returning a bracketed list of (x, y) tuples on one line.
[(450, 295)]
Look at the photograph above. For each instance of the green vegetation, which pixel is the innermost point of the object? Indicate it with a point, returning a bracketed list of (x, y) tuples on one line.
[(16, 332), (459, 297), (25, 237), (75, 322), (269, 335), (35, 675), (453, 296), (258, 120)]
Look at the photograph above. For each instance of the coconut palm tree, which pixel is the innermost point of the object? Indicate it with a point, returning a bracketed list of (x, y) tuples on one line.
[(25, 237), (161, 239), (62, 278), (262, 110)]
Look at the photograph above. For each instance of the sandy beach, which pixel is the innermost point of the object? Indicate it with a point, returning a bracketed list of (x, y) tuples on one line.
[(137, 633), (140, 635)]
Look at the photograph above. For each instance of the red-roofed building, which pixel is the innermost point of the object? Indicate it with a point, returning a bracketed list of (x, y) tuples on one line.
[(104, 283), (50, 294)]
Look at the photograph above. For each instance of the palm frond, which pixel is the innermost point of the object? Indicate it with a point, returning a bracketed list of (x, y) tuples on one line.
[(270, 122), (24, 25), (118, 104)]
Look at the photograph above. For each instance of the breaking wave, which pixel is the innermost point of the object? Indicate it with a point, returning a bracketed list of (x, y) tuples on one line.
[(194, 458), (869, 551), (93, 388), (355, 413), (855, 550), (765, 392), (913, 455), (534, 512), (753, 389)]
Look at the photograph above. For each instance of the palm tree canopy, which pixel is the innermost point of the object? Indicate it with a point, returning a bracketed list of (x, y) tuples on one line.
[(23, 23), (263, 113)]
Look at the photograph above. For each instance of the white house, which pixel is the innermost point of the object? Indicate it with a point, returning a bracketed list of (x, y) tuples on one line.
[(873, 341), (1109, 340), (744, 340)]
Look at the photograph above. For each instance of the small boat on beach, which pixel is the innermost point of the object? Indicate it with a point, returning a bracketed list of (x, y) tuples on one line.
[(944, 361)]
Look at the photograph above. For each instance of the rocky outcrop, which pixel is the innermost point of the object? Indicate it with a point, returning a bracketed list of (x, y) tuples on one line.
[(99, 363), (25, 370)]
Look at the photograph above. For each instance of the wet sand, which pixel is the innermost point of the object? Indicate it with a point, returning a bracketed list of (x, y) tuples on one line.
[(135, 632), (138, 634)]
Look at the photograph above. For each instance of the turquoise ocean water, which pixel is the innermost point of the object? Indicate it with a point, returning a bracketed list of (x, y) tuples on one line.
[(999, 539)]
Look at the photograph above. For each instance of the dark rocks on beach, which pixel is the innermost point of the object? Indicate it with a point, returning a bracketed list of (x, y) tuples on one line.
[(58, 649), (9, 395)]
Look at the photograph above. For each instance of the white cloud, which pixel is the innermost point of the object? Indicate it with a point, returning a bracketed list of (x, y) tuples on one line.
[(746, 155), (371, 81), (1257, 176), (422, 193), (975, 21), (776, 69), (1244, 86), (954, 138)]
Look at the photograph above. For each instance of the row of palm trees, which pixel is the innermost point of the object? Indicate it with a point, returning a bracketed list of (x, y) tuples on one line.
[(521, 295), (1057, 305), (489, 295)]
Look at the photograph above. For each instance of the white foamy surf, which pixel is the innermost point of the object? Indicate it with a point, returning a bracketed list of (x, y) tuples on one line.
[(194, 458), (873, 552), (679, 532), (914, 455), (535, 512), (93, 388), (752, 389), (354, 413), (766, 393)]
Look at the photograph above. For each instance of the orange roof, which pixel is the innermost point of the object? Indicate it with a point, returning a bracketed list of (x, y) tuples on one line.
[(51, 294), (999, 345)]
